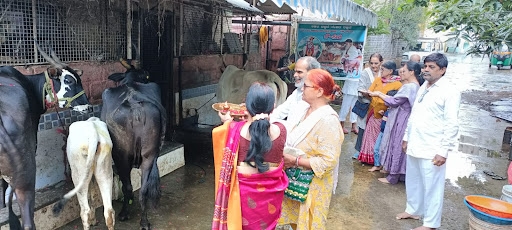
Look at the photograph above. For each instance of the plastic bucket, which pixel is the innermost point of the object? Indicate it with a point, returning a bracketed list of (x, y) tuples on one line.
[(506, 193)]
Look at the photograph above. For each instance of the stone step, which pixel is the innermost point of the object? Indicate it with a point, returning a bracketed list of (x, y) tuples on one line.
[(171, 158)]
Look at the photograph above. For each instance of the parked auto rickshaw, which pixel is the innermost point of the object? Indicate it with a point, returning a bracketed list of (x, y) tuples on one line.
[(501, 57)]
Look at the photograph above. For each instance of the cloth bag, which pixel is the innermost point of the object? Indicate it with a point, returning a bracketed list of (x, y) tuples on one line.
[(361, 109), (298, 185)]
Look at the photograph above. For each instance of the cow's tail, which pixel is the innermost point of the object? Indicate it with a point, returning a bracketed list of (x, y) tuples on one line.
[(14, 222), (151, 192), (93, 145)]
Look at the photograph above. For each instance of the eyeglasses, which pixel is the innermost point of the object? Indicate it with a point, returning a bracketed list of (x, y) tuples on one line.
[(309, 86), (423, 94)]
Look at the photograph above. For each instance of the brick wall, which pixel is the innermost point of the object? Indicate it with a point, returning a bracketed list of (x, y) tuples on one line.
[(382, 44), (203, 70), (94, 77)]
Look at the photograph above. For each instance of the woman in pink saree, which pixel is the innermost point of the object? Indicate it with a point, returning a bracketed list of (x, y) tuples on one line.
[(248, 159)]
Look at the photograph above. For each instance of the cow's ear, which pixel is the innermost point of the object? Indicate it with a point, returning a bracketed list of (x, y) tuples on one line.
[(117, 77), (54, 72), (79, 72)]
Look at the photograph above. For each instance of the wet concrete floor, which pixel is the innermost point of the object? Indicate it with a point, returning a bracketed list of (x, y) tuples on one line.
[(361, 201)]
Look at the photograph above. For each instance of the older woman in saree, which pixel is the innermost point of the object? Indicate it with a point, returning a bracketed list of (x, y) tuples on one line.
[(386, 82), (316, 139), (248, 159), (392, 157), (365, 81)]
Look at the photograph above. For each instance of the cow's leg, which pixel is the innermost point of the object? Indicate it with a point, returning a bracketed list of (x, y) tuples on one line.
[(150, 186), (124, 167), (86, 213), (103, 174), (26, 200), (4, 185)]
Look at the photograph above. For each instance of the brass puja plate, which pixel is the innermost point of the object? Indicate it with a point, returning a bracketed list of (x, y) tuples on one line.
[(234, 109)]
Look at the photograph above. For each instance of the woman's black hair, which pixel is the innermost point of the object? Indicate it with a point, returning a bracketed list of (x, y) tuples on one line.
[(390, 65), (377, 55), (416, 68), (260, 100)]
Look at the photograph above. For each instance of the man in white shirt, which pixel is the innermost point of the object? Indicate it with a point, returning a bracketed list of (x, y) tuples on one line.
[(431, 135), (294, 101)]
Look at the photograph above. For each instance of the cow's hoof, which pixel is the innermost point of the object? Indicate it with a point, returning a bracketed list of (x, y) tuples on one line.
[(123, 217), (146, 227)]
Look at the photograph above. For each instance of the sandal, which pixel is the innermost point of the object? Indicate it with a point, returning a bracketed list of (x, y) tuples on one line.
[(498, 177), (489, 173)]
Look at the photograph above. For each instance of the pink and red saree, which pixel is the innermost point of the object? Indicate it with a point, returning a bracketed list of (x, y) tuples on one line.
[(243, 201)]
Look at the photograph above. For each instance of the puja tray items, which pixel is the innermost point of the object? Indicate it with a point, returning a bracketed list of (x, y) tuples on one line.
[(234, 109)]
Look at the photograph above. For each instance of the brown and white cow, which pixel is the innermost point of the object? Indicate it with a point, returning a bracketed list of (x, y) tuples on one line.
[(234, 84), (89, 150)]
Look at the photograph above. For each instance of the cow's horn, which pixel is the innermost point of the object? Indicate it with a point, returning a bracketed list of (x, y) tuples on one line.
[(48, 58), (224, 60), (245, 64), (124, 63), (57, 59)]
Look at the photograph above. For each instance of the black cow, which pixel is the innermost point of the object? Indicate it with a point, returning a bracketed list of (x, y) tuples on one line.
[(23, 99), (136, 121)]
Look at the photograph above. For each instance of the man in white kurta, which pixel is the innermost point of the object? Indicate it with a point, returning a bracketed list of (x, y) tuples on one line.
[(430, 137), (288, 110), (350, 57), (350, 94)]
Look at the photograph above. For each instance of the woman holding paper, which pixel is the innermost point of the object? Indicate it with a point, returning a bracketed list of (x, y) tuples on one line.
[(314, 143), (248, 159)]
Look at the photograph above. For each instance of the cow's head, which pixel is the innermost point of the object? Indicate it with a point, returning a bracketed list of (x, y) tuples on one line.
[(67, 85), (133, 74)]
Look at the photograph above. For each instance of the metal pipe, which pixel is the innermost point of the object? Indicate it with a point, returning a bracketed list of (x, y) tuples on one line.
[(128, 29), (245, 33), (288, 41), (180, 45), (180, 67), (139, 35), (276, 23), (221, 30), (34, 29)]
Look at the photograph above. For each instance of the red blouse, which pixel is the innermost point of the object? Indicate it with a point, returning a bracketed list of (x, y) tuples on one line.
[(275, 155)]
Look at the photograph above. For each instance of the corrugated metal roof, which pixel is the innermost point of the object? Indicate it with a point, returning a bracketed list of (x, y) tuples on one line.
[(342, 10), (270, 7), (241, 4)]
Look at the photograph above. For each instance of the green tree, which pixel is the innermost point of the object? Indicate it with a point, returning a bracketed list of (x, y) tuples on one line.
[(383, 12), (484, 23), (403, 23)]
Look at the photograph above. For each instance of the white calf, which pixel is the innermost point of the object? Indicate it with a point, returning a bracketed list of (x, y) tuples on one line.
[(89, 150)]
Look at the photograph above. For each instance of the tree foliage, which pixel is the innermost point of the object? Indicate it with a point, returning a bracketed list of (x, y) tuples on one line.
[(484, 23), (403, 23), (383, 12)]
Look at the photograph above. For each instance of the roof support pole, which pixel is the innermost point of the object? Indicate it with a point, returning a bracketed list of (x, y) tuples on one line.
[(34, 29), (128, 29)]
